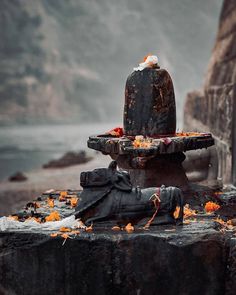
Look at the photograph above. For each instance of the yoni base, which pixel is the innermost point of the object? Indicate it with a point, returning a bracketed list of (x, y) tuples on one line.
[(165, 169)]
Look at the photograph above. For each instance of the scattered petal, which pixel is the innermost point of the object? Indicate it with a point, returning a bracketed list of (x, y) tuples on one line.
[(89, 228), (74, 201), (33, 218), (211, 207), (13, 217), (118, 132), (129, 228), (54, 216), (36, 205), (176, 213), (141, 142), (50, 202), (188, 212), (65, 229), (116, 228)]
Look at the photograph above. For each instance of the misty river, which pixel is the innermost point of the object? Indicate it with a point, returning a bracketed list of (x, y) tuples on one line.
[(23, 148)]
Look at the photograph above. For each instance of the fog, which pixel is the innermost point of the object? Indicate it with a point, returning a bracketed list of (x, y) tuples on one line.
[(68, 60)]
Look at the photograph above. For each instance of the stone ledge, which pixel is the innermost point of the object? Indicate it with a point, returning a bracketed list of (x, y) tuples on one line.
[(165, 260)]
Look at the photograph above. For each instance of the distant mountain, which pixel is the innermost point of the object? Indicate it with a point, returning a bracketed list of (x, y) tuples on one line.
[(67, 60)]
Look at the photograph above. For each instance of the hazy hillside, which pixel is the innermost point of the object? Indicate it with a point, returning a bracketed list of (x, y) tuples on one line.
[(67, 60)]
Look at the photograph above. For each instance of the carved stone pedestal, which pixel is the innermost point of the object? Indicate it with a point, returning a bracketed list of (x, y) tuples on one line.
[(155, 170)]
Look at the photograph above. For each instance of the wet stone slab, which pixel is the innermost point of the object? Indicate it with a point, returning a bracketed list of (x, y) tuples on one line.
[(196, 258)]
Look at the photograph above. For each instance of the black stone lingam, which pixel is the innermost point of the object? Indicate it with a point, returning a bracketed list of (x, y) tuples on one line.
[(149, 104), (150, 112)]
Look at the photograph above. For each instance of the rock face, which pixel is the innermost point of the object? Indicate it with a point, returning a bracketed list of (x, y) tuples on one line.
[(156, 262), (213, 109), (197, 257)]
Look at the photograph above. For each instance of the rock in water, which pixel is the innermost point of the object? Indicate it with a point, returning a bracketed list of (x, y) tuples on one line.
[(69, 159), (18, 176)]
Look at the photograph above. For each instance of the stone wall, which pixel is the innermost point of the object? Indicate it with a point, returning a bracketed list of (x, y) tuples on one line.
[(212, 109)]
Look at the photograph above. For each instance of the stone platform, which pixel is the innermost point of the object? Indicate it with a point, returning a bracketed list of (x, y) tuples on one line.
[(196, 258), (153, 161), (189, 260), (181, 142)]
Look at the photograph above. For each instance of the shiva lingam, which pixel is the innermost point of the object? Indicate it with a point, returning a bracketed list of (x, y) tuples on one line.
[(148, 146)]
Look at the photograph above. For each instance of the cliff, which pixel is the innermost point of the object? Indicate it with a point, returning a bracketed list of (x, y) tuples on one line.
[(212, 108)]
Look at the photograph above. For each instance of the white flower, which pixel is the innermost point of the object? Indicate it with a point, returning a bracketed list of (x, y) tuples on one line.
[(150, 61)]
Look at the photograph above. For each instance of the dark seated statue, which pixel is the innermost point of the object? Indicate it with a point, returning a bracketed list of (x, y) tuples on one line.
[(109, 197)]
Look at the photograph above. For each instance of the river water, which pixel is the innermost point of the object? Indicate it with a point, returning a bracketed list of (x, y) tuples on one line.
[(24, 148)]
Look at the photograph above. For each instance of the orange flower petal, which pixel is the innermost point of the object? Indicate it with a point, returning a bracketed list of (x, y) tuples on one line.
[(116, 228), (129, 228), (65, 229), (53, 216), (50, 202), (211, 207), (89, 228), (74, 201)]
